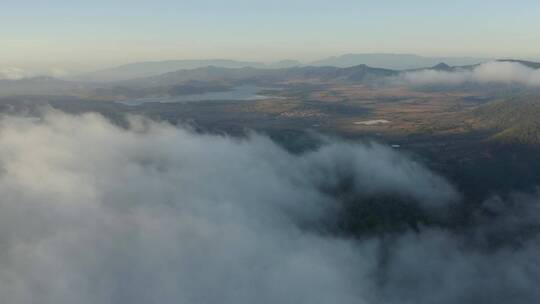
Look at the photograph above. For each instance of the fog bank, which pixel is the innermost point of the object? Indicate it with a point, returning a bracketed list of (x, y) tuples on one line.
[(490, 72), (93, 213)]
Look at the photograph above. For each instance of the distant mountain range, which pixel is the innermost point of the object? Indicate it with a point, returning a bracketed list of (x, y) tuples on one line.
[(530, 64), (153, 68), (193, 80), (384, 61), (361, 73), (395, 61), (214, 78), (256, 75)]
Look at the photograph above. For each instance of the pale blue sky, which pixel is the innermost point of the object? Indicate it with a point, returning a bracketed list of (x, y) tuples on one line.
[(99, 33)]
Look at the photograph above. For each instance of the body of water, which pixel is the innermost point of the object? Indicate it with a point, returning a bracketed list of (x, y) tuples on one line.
[(245, 92)]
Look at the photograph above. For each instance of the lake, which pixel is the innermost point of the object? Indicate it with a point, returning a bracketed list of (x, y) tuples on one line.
[(244, 92)]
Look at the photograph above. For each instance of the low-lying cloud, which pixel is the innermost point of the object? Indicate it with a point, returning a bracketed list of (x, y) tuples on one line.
[(490, 72), (14, 73), (94, 213)]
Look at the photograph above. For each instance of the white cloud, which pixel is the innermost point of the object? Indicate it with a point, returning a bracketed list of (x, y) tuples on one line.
[(16, 73), (490, 72), (13, 73), (92, 213), (58, 72)]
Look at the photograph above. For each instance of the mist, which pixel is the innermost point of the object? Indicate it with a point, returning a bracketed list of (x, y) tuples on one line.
[(18, 73), (490, 72), (152, 213), (13, 73)]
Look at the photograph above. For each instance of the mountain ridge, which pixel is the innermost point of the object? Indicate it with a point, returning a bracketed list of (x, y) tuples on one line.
[(379, 60)]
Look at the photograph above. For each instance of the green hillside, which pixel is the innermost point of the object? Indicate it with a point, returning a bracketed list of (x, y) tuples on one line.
[(515, 120)]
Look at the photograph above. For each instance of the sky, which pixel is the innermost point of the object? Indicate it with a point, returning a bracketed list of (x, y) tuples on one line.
[(93, 34)]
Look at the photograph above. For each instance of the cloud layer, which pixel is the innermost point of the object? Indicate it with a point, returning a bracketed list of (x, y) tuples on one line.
[(490, 72), (16, 73), (13, 73), (93, 213)]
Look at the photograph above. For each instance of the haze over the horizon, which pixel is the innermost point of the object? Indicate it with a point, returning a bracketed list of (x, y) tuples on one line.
[(63, 34)]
